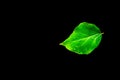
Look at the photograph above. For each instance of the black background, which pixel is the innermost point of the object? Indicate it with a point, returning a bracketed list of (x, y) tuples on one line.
[(35, 33)]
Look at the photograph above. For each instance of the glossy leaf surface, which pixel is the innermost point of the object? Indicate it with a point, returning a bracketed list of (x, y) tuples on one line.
[(84, 38)]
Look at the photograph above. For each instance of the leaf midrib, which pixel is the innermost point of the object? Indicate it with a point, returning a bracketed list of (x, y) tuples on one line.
[(87, 37)]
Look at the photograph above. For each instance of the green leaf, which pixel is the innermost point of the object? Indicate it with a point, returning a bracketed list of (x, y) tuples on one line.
[(84, 38)]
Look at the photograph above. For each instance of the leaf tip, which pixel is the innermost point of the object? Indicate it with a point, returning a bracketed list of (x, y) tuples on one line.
[(60, 43), (102, 33)]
